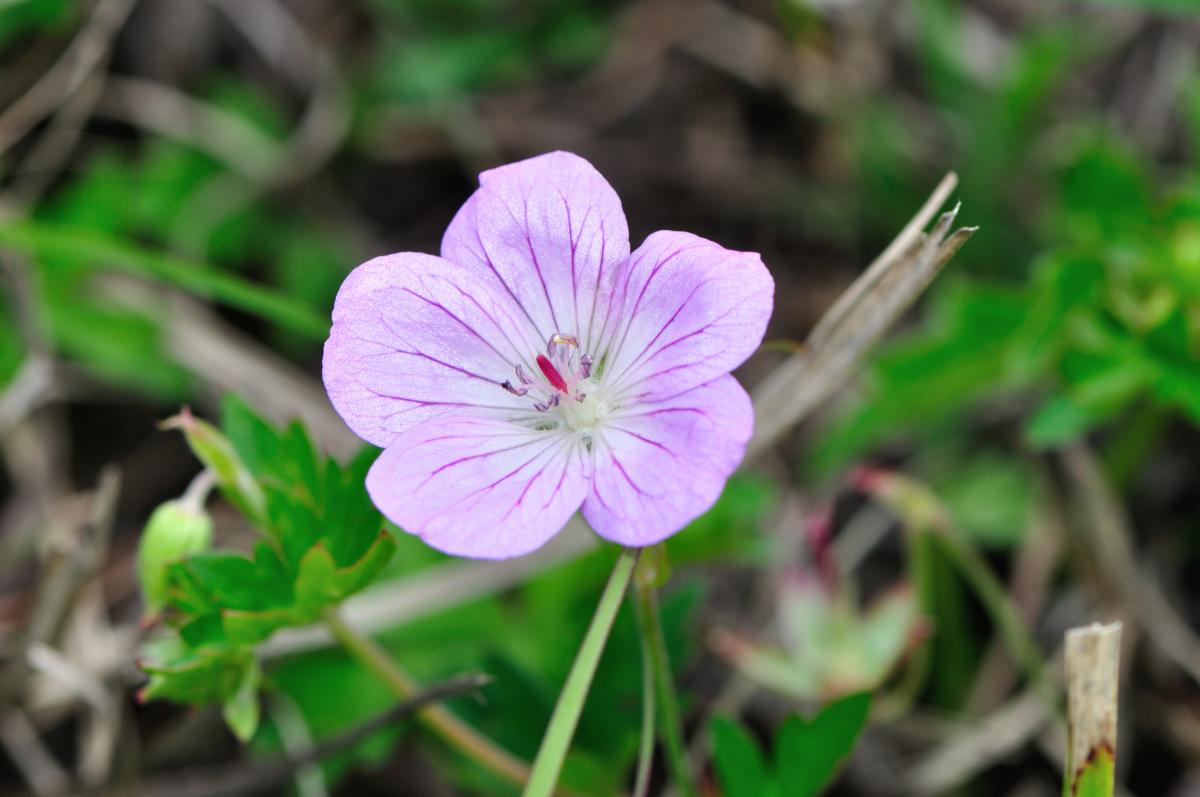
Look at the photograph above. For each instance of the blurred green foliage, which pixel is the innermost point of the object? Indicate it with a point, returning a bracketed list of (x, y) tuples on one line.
[(807, 752), (1074, 313), (1075, 310)]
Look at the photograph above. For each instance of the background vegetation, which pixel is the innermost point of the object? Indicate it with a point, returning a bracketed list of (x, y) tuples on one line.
[(184, 184)]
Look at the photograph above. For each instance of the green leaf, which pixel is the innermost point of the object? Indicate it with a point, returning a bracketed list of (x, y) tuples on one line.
[(321, 582), (215, 581), (809, 754), (1057, 422), (739, 760), (256, 442), (241, 710), (990, 497), (181, 673)]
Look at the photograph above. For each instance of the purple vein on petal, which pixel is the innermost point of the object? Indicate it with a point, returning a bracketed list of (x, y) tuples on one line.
[(489, 487), (464, 324), (529, 486), (632, 312), (574, 245), (533, 256), (520, 352), (644, 439), (638, 362), (487, 258)]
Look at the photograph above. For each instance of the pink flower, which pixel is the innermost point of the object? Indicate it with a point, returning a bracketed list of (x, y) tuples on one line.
[(538, 367)]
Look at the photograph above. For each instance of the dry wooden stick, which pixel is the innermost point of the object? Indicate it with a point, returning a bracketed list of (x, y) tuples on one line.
[(1093, 656)]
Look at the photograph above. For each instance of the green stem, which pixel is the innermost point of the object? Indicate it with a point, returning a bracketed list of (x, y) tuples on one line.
[(445, 724), (556, 742), (1000, 607), (654, 647), (641, 782)]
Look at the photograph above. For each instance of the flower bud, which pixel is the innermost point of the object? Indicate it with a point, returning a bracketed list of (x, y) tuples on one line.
[(175, 530)]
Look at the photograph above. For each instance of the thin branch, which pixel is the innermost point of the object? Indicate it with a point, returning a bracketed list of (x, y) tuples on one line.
[(236, 781)]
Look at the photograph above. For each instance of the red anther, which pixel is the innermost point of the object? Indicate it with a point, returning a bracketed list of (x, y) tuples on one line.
[(551, 373)]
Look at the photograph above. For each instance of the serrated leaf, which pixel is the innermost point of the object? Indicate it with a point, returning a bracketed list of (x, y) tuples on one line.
[(321, 582), (809, 754), (255, 441), (187, 675)]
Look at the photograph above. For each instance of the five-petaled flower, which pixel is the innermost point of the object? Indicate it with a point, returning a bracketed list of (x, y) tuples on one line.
[(538, 366)]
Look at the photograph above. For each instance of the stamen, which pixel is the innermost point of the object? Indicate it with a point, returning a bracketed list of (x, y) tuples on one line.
[(564, 382), (560, 339), (552, 375), (563, 339)]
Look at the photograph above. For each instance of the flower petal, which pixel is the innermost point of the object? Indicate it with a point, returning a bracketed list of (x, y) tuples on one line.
[(415, 336), (691, 311), (552, 231), (663, 464), (479, 487)]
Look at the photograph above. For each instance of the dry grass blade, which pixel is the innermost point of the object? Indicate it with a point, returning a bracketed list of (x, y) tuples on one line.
[(65, 575), (857, 321), (973, 748), (85, 54), (886, 260), (36, 764), (1093, 656)]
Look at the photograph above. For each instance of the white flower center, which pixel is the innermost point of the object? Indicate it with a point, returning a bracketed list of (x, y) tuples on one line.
[(564, 388)]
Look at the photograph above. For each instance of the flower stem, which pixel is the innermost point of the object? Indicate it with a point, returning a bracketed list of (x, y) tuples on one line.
[(452, 730), (557, 740), (654, 648), (641, 782)]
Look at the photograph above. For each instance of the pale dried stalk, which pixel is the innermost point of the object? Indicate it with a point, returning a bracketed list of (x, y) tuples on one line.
[(1093, 662), (857, 320)]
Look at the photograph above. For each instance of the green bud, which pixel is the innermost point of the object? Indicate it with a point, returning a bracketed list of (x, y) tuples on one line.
[(174, 531), (218, 455)]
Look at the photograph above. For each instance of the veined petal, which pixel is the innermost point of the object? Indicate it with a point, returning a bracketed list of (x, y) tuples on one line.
[(664, 463), (551, 230), (415, 336), (478, 487), (690, 311)]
